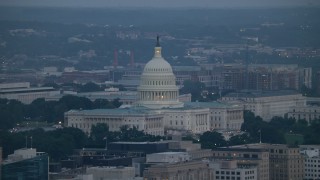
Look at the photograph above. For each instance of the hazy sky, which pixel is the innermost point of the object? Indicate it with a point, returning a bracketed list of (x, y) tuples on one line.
[(161, 3)]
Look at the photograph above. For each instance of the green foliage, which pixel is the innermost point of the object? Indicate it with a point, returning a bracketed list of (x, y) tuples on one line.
[(100, 133), (275, 131), (90, 87), (193, 87), (57, 144), (240, 139), (13, 112), (211, 139)]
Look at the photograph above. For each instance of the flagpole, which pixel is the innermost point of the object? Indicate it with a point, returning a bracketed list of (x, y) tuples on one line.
[(260, 135), (26, 142), (106, 138), (31, 142)]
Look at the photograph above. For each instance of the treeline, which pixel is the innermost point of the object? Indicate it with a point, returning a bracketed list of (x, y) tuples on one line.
[(278, 131), (61, 142), (14, 112)]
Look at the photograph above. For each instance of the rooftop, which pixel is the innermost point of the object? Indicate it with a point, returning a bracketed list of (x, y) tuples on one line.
[(256, 94)]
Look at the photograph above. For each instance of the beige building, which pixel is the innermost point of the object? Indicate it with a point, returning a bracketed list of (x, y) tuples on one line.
[(229, 169), (111, 173), (246, 157), (284, 162), (193, 149), (196, 170)]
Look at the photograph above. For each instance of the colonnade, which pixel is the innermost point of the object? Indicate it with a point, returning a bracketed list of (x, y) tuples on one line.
[(158, 95)]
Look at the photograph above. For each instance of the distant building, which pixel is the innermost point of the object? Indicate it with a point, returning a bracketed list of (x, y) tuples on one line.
[(266, 104), (183, 170), (158, 107), (26, 164), (144, 120), (146, 147), (308, 113), (229, 169), (306, 77), (311, 162), (51, 71), (111, 173), (246, 157), (285, 162), (168, 157), (24, 93)]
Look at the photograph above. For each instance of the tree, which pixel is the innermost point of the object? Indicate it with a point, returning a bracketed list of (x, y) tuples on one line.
[(99, 134), (90, 87), (116, 103), (103, 104), (240, 139), (74, 102), (193, 87), (212, 139)]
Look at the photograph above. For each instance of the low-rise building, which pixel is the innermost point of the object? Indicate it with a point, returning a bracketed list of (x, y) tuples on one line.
[(285, 162), (150, 122), (311, 162), (26, 164), (24, 93), (183, 170), (168, 157), (308, 113), (111, 173), (246, 157), (267, 104), (229, 169)]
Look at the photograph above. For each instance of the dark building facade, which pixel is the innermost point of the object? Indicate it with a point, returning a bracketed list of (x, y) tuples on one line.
[(32, 168)]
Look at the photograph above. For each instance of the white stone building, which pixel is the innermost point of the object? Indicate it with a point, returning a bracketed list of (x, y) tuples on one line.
[(158, 108), (24, 93), (308, 113), (150, 122), (158, 87), (266, 104)]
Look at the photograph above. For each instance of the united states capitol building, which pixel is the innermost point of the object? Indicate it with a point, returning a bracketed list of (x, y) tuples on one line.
[(158, 109)]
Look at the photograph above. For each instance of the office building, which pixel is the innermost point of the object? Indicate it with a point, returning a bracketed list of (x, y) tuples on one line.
[(311, 161), (246, 157), (285, 162), (229, 169), (182, 170), (111, 173), (26, 164)]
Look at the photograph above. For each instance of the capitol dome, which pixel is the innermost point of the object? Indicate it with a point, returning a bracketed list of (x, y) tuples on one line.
[(158, 84)]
